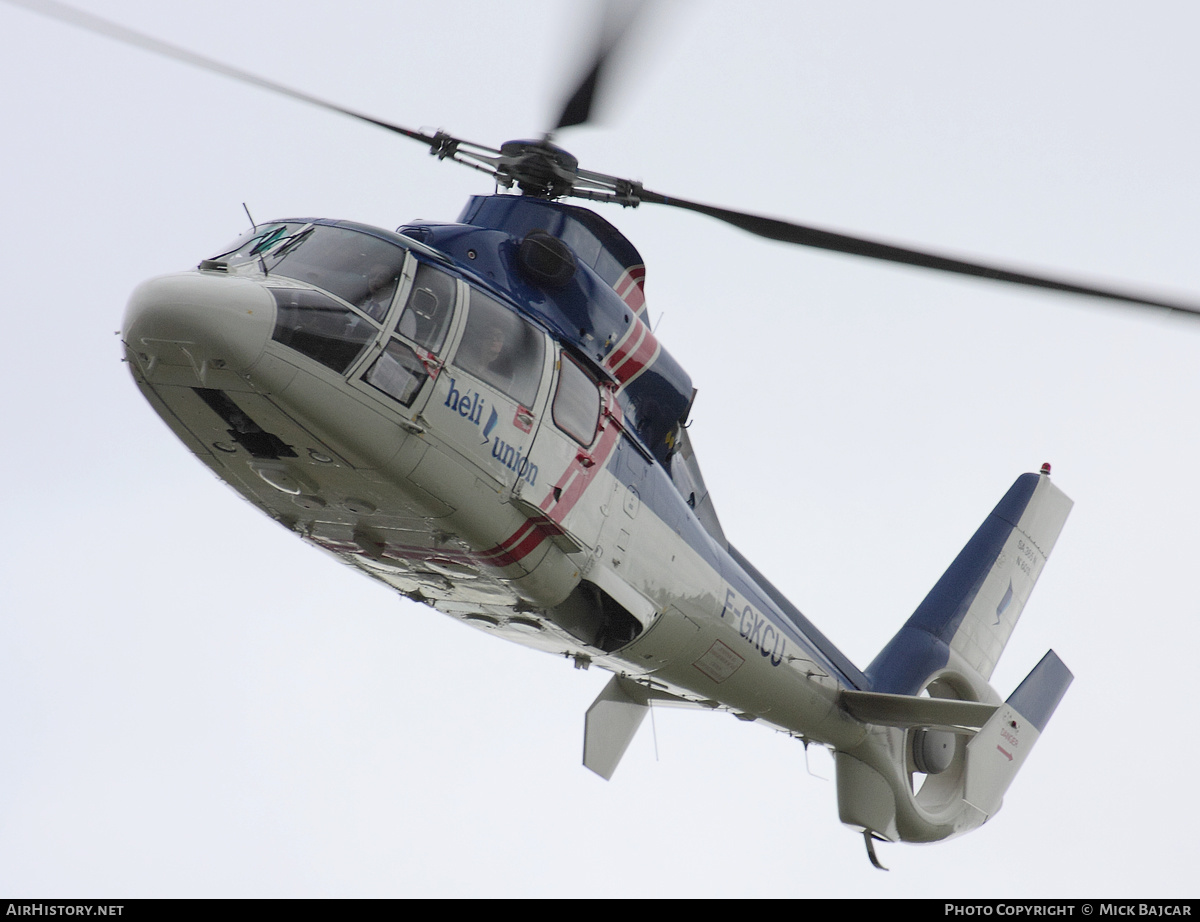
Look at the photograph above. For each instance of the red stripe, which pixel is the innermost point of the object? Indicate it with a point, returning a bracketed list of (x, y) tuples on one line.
[(543, 530), (645, 354), (520, 543), (511, 550), (578, 476), (625, 346), (635, 352), (632, 276), (533, 531), (630, 287)]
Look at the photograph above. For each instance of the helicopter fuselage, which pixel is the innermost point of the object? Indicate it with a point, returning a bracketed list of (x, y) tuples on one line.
[(500, 444), (478, 415)]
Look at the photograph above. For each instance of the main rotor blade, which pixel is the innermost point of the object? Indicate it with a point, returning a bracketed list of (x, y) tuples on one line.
[(787, 232), (87, 21), (616, 21)]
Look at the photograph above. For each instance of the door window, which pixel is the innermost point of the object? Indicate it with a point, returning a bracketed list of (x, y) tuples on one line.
[(429, 308), (398, 372), (501, 349), (576, 407)]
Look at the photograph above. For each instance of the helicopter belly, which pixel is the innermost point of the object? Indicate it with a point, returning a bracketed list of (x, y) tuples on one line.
[(411, 510)]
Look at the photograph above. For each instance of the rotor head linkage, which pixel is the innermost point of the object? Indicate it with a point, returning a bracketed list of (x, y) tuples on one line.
[(537, 168)]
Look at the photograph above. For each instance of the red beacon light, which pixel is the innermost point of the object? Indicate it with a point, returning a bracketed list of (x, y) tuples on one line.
[(1046, 468)]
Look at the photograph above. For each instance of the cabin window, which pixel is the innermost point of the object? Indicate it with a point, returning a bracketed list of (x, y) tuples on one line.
[(430, 305), (576, 407), (501, 349), (320, 327), (398, 372)]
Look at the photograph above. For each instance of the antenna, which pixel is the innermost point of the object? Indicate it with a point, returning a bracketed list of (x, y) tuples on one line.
[(654, 731)]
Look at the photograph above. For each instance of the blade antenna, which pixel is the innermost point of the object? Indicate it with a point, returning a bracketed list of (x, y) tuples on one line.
[(807, 764)]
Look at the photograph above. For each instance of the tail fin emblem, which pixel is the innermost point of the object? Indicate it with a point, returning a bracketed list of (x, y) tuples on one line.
[(1004, 602)]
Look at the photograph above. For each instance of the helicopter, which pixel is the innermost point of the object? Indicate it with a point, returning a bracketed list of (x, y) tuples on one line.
[(289, 241)]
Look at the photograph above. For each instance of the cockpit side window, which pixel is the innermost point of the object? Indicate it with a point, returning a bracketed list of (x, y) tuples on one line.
[(430, 306), (382, 279), (500, 348)]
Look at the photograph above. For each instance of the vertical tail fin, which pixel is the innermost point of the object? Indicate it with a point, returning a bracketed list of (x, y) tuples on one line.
[(973, 608), (999, 750)]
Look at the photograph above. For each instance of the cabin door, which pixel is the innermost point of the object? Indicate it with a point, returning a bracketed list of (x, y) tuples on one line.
[(404, 366), (484, 401), (566, 479)]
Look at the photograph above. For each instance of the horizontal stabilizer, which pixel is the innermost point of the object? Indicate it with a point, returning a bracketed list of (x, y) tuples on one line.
[(909, 711), (999, 750), (613, 720)]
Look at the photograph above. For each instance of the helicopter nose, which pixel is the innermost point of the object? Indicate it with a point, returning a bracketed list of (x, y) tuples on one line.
[(199, 319)]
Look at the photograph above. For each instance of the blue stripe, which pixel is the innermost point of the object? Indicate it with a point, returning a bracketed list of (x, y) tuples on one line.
[(658, 493), (805, 632)]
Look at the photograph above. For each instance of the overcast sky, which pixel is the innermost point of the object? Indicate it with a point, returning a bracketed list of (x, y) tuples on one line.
[(194, 703)]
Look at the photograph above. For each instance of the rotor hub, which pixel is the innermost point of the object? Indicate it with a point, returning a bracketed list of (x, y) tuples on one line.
[(538, 168)]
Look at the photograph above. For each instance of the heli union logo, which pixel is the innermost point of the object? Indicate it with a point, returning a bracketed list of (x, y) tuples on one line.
[(470, 405)]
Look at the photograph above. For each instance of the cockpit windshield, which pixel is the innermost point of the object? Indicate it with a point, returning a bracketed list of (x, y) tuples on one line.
[(259, 241), (359, 268)]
